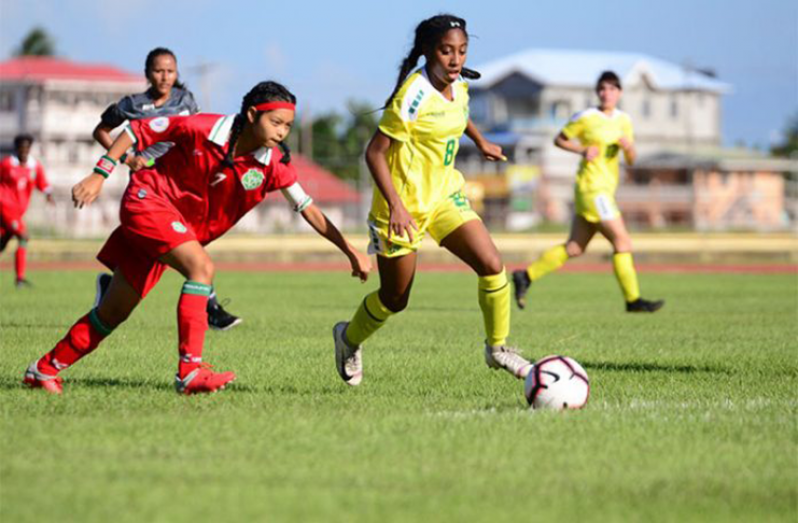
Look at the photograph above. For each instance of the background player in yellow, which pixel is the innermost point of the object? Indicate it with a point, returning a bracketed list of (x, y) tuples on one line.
[(418, 190), (599, 135)]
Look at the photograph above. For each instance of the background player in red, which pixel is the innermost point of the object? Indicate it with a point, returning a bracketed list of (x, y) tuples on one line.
[(219, 168), (19, 174), (166, 96)]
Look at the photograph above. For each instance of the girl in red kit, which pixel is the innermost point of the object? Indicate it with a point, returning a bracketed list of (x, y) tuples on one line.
[(219, 168), (19, 174)]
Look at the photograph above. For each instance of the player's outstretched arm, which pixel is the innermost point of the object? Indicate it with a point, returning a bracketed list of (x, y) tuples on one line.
[(88, 189), (489, 150), (360, 262)]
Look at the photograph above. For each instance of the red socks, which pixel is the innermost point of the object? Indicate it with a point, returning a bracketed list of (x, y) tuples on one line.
[(84, 336), (20, 261), (192, 322)]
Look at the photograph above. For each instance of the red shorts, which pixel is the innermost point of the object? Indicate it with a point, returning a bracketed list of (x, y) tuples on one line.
[(151, 227), (11, 222)]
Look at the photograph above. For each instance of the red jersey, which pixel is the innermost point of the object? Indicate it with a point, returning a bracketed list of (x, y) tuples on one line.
[(17, 181), (190, 176)]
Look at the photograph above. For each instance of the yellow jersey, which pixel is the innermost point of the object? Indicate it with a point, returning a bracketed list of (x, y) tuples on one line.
[(425, 129), (594, 127)]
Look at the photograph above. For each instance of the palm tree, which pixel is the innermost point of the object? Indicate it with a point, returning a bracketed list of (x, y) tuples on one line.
[(36, 43)]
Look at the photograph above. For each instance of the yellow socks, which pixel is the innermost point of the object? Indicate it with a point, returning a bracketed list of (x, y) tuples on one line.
[(370, 316), (549, 261), (626, 275), (494, 300)]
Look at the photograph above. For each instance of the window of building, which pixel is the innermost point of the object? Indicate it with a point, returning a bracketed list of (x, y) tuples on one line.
[(560, 110), (674, 107), (645, 108), (6, 101)]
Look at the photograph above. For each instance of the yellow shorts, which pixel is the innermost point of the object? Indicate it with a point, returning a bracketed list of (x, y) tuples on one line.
[(596, 207), (450, 214)]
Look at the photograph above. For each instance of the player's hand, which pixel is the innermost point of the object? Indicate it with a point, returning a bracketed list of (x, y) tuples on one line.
[(590, 153), (492, 152), (135, 162), (361, 265), (87, 190), (401, 222), (50, 199)]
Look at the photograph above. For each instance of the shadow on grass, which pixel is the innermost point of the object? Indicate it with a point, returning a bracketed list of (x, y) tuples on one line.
[(652, 367), (117, 383)]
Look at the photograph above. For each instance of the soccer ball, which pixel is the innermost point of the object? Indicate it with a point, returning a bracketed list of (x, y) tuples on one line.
[(557, 383)]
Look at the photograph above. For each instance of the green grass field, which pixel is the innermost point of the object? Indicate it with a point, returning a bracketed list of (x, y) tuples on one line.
[(692, 416)]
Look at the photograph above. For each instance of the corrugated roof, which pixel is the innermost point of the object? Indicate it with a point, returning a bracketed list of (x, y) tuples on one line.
[(582, 68), (36, 69)]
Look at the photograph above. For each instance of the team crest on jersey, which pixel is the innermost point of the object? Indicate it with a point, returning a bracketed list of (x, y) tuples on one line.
[(159, 124), (179, 227), (252, 179)]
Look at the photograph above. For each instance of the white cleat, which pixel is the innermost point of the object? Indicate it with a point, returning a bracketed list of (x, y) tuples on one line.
[(348, 359), (507, 358)]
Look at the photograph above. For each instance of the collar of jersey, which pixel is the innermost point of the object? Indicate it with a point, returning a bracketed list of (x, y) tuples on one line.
[(615, 112), (220, 133), (423, 72), (30, 164)]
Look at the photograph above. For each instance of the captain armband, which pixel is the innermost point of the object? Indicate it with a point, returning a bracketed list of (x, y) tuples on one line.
[(105, 166), (297, 197)]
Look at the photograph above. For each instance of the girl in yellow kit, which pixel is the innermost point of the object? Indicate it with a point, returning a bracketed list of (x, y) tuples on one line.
[(599, 135), (418, 190)]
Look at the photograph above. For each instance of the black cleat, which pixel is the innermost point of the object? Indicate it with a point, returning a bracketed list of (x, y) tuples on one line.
[(103, 282), (641, 305), (521, 283), (219, 319), (23, 284)]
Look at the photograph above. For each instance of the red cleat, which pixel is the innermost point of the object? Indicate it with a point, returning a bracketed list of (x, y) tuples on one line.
[(203, 380), (37, 380)]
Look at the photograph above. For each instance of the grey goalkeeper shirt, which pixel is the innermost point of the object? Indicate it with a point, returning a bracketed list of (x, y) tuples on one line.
[(137, 106)]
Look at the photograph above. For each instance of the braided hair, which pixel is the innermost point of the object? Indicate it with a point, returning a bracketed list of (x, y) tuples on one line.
[(149, 63), (428, 34), (262, 93)]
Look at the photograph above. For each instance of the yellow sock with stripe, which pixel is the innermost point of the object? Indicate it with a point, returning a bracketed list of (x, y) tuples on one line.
[(494, 300), (626, 275), (551, 260), (370, 316)]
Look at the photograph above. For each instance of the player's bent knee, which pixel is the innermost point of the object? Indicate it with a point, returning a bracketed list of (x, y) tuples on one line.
[(574, 250)]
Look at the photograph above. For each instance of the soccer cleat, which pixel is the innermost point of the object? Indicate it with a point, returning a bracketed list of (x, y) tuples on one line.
[(203, 380), (641, 305), (348, 359), (102, 283), (35, 379), (521, 284), (23, 284), (219, 319), (507, 358)]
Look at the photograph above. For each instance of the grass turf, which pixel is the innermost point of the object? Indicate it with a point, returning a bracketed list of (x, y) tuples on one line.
[(692, 415)]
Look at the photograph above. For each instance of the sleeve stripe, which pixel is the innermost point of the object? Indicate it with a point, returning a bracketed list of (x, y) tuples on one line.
[(129, 131)]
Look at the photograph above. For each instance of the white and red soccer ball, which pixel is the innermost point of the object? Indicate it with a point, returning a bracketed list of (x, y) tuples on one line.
[(557, 383)]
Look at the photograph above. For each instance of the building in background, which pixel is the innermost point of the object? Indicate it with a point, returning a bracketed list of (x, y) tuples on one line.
[(523, 101), (60, 101)]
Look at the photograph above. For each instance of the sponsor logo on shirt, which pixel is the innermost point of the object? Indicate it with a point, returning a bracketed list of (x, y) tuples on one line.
[(141, 194), (179, 227), (252, 179), (159, 124)]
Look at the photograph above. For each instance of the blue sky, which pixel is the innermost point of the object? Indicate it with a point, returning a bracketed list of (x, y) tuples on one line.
[(328, 52)]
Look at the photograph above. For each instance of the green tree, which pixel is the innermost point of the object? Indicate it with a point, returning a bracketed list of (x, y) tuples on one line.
[(339, 141), (36, 43), (789, 147)]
